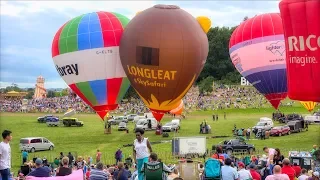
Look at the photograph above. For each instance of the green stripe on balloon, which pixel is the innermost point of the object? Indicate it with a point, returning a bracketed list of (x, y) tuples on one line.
[(68, 41), (124, 20), (86, 90), (123, 88)]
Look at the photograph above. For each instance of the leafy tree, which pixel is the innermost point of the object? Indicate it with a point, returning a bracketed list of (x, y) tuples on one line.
[(206, 84), (50, 94), (29, 95), (13, 87)]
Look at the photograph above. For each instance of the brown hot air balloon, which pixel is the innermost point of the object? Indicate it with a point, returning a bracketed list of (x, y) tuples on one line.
[(163, 51)]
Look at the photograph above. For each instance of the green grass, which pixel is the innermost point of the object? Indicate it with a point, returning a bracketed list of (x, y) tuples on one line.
[(86, 140)]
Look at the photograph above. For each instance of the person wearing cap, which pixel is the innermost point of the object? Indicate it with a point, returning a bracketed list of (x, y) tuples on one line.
[(287, 169), (315, 176), (40, 171), (243, 173), (255, 175)]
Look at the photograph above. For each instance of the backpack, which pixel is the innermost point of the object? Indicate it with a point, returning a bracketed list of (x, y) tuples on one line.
[(219, 157), (212, 168)]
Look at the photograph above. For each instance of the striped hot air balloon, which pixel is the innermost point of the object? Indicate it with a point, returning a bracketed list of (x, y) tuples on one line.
[(309, 105), (85, 52)]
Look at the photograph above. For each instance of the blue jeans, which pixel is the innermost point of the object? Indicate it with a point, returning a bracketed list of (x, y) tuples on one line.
[(140, 163), (271, 168), (5, 174)]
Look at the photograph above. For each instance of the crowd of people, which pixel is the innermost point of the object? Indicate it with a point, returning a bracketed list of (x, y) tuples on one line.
[(220, 98)]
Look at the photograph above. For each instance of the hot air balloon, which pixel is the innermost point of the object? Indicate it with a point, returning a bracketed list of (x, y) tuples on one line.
[(178, 110), (301, 25), (257, 51), (309, 105), (162, 51), (85, 52)]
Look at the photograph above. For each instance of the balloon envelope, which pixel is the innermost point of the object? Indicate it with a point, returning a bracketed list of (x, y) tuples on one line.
[(178, 110), (162, 51), (301, 22), (257, 51), (309, 105), (85, 52)]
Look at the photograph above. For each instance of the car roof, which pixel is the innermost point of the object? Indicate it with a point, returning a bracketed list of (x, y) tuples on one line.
[(33, 137)]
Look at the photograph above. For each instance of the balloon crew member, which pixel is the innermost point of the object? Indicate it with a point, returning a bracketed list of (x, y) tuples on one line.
[(141, 150)]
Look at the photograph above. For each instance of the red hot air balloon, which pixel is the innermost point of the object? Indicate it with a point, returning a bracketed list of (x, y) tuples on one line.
[(257, 51), (301, 23)]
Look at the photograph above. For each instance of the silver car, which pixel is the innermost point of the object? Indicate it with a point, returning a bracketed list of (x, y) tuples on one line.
[(33, 144)]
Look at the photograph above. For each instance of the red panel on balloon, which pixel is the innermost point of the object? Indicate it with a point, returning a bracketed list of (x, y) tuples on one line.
[(302, 37)]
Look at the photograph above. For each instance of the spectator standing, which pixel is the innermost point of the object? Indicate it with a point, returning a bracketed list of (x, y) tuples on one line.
[(71, 159), (98, 156), (65, 169), (278, 157), (228, 172), (98, 173), (271, 153), (24, 156), (277, 174), (304, 175), (5, 155), (40, 171), (141, 145), (118, 156), (287, 169)]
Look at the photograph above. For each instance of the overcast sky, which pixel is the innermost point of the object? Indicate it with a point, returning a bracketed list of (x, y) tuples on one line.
[(28, 27)]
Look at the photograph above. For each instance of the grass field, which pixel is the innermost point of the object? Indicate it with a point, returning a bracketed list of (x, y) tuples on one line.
[(86, 140)]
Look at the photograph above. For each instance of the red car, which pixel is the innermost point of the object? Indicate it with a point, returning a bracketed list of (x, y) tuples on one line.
[(280, 130)]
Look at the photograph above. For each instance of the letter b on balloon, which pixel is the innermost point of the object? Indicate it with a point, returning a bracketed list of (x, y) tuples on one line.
[(300, 19)]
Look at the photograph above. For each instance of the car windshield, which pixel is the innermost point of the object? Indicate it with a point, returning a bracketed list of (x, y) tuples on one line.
[(24, 141), (261, 124), (316, 114), (168, 124), (140, 122)]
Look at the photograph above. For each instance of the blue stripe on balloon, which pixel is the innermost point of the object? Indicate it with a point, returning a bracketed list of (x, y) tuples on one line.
[(83, 33), (256, 41), (96, 38), (264, 68), (89, 32), (99, 89), (267, 82)]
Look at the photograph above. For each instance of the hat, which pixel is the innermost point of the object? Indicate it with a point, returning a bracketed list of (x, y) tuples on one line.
[(38, 161), (316, 174), (252, 166), (240, 164)]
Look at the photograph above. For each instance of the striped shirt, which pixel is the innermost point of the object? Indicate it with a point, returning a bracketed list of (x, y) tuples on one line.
[(97, 174)]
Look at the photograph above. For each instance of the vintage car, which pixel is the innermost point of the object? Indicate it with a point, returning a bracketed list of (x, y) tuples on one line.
[(291, 117), (280, 130), (71, 122), (230, 146), (314, 118)]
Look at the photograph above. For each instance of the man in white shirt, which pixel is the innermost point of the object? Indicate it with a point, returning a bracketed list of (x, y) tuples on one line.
[(5, 155), (243, 173), (270, 152), (277, 174)]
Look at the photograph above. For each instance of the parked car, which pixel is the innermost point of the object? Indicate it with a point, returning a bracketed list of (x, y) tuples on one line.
[(229, 146), (280, 130), (137, 118), (118, 119), (33, 144), (130, 117), (144, 124), (43, 119), (122, 126), (266, 125), (314, 118), (291, 117), (71, 122), (171, 126), (296, 126), (53, 121)]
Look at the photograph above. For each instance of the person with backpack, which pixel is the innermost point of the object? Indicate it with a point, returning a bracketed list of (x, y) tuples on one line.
[(227, 172), (219, 154)]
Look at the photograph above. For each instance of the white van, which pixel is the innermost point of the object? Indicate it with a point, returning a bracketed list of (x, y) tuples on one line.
[(137, 118), (33, 144), (266, 119), (143, 123)]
